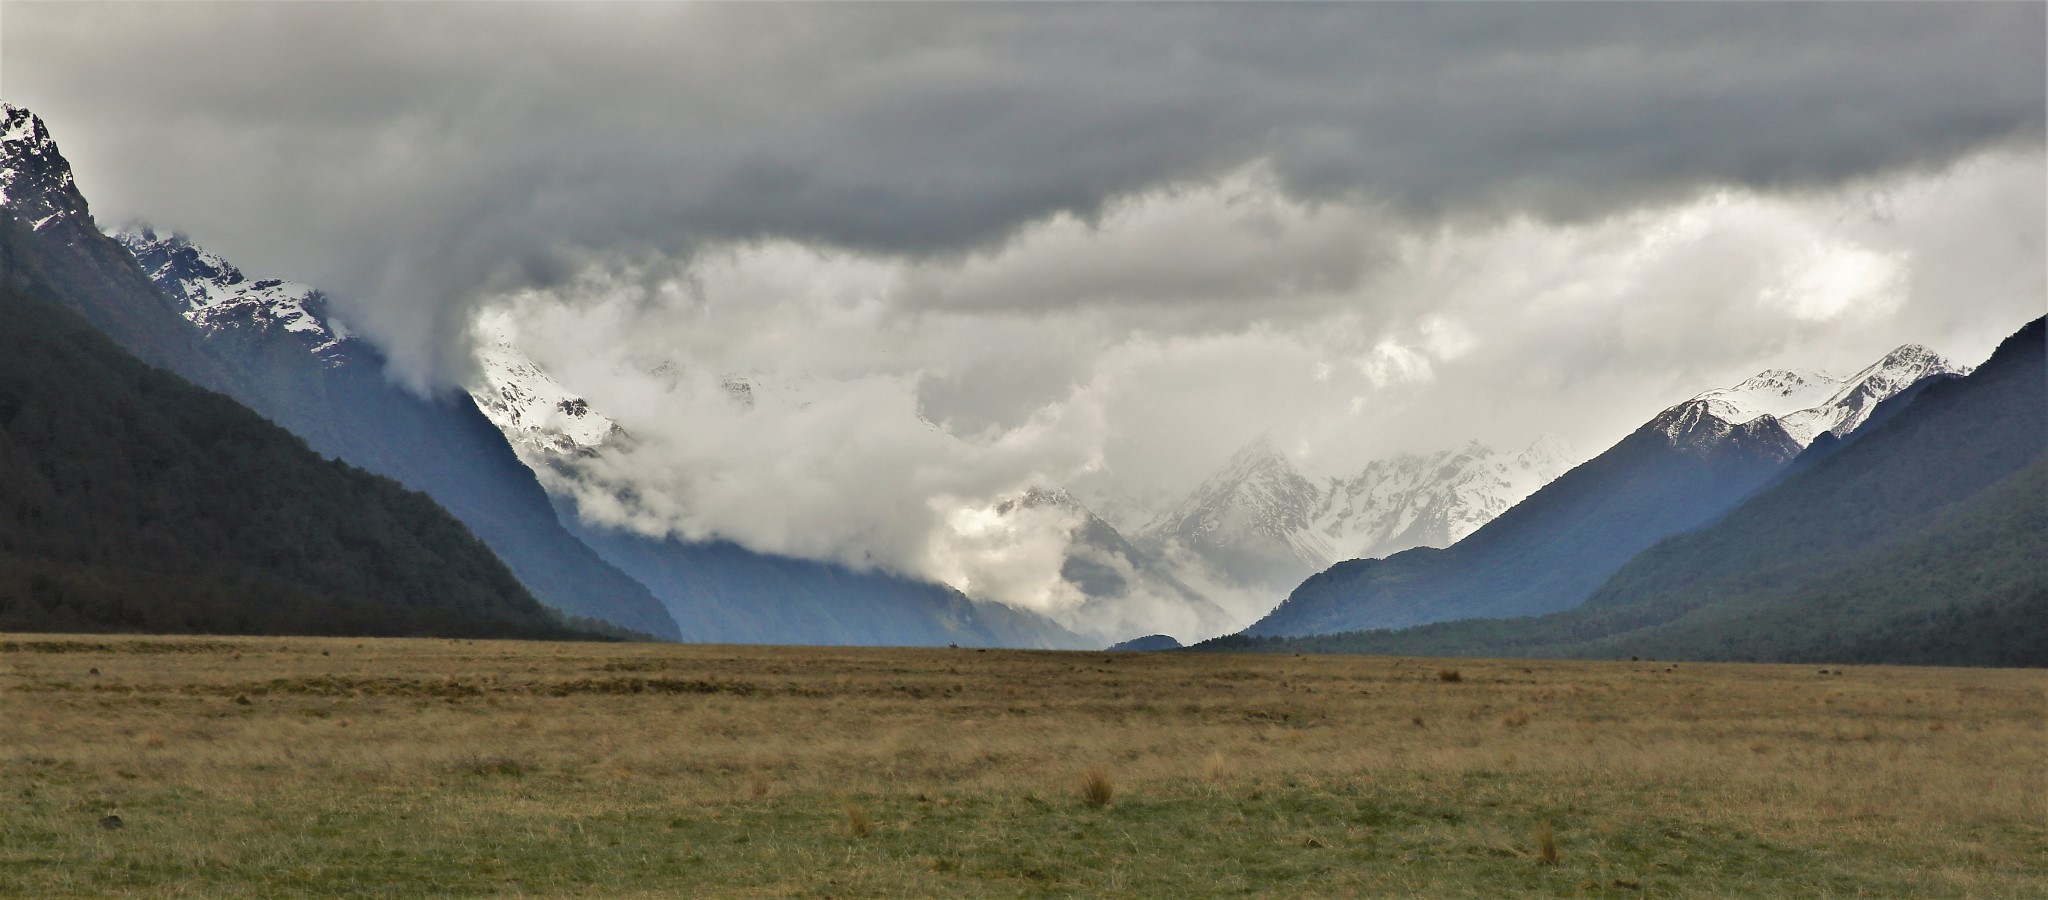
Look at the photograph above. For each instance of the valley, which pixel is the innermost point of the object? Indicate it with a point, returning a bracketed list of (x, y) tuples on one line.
[(400, 767)]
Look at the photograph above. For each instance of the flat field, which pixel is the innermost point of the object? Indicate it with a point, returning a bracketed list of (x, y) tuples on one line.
[(268, 767)]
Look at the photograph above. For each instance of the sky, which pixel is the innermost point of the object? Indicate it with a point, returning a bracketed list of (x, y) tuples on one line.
[(1099, 246)]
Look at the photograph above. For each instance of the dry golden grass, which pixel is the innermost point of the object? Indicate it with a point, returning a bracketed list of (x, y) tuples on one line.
[(248, 766), (1096, 789)]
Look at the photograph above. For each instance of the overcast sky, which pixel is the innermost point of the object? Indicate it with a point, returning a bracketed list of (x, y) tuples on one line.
[(1100, 245)]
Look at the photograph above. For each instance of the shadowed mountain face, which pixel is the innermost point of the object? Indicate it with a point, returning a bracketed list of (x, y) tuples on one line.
[(268, 345), (1551, 550), (1921, 537), (1678, 472), (131, 500)]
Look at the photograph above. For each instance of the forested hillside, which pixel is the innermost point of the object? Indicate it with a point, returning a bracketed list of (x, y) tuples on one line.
[(131, 500)]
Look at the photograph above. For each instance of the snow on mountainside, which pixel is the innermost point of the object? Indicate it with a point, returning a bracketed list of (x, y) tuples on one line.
[(1853, 402), (215, 295), (1809, 404), (1260, 525), (1772, 392), (1257, 502), (37, 185), (542, 418), (1434, 500)]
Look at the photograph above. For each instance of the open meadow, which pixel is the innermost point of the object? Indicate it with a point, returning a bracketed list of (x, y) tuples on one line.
[(268, 766)]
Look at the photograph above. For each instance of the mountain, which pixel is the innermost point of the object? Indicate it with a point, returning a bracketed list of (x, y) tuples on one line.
[(1261, 525), (1433, 500), (1811, 404), (271, 346), (1919, 538), (1677, 472), (718, 591), (99, 279), (1548, 552), (133, 501), (1251, 524)]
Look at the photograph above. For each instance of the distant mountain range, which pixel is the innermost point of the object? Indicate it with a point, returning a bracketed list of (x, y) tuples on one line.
[(1260, 525), (1677, 472), (1919, 536)]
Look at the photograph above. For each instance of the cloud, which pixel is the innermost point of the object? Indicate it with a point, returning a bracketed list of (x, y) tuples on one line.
[(417, 159), (1000, 246)]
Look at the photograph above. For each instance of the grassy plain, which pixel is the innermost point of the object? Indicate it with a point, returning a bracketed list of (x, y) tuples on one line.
[(269, 767)]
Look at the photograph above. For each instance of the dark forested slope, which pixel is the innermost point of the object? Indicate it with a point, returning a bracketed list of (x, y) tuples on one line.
[(131, 500)]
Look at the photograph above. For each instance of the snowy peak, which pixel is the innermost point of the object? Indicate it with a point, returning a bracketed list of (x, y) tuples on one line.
[(1257, 494), (1434, 500), (1805, 404), (535, 411), (35, 180), (1772, 392), (214, 295), (1849, 406)]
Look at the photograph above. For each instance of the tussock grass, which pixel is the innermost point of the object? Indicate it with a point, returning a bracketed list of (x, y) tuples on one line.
[(1096, 789), (1546, 845), (435, 768), (858, 823)]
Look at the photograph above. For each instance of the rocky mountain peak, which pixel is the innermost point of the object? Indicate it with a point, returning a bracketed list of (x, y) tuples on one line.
[(35, 180)]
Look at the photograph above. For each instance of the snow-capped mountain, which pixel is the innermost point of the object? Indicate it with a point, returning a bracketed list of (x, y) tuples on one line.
[(1675, 473), (1254, 518), (298, 367), (214, 295), (1854, 400), (36, 185), (543, 420), (1809, 404), (1433, 500), (1771, 392), (1260, 524)]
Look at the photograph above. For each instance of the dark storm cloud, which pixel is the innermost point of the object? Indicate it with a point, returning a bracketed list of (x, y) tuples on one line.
[(434, 153)]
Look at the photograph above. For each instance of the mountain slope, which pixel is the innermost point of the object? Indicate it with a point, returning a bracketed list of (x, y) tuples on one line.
[(1552, 549), (1677, 472), (304, 372), (131, 500), (300, 371), (1922, 538), (98, 278)]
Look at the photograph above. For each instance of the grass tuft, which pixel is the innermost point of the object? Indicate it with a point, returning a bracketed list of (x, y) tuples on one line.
[(1096, 789), (858, 823)]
